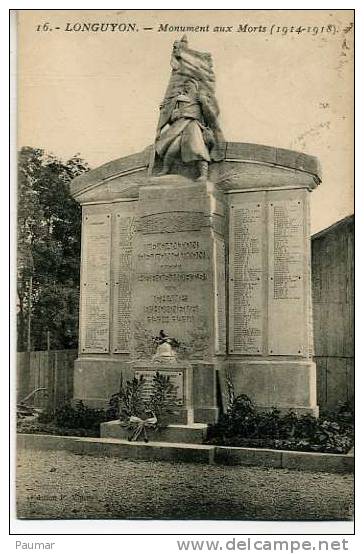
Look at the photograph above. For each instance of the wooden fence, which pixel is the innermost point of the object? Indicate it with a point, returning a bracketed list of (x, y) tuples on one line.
[(52, 370), (333, 309), (335, 381)]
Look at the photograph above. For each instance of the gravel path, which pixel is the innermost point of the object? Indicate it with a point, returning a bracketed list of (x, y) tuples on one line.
[(61, 485)]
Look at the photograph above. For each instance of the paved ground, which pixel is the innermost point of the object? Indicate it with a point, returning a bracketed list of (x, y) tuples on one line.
[(57, 485)]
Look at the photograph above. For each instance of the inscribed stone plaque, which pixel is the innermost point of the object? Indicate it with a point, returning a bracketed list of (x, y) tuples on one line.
[(246, 288), (124, 235), (173, 290), (95, 303), (286, 272), (175, 378), (220, 312)]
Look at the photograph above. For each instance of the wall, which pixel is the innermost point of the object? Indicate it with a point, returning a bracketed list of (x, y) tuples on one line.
[(333, 312)]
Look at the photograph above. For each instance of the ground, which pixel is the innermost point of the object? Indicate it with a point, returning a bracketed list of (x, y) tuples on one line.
[(57, 485)]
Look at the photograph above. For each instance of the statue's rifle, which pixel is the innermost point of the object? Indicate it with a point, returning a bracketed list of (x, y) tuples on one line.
[(165, 109), (151, 159)]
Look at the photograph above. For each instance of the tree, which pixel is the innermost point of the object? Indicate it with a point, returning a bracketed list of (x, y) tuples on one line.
[(49, 230)]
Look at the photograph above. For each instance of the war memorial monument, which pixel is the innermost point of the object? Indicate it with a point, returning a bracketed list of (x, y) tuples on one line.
[(206, 242)]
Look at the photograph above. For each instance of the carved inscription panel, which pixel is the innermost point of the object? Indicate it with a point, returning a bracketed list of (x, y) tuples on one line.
[(173, 291), (123, 280), (286, 322), (95, 283), (245, 284)]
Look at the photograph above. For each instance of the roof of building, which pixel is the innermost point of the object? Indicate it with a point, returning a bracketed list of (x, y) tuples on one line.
[(334, 227)]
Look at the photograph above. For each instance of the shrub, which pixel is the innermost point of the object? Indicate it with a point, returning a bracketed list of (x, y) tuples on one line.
[(75, 417), (244, 425), (36, 427), (342, 413)]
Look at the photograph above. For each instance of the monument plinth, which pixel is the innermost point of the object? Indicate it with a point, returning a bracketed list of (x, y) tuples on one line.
[(205, 241)]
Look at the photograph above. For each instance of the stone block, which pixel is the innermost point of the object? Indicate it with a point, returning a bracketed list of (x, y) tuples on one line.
[(254, 152), (312, 461), (152, 451), (243, 174), (110, 170), (229, 455), (194, 453), (204, 392), (286, 158), (310, 164), (284, 385), (191, 433), (97, 379), (206, 415), (44, 442)]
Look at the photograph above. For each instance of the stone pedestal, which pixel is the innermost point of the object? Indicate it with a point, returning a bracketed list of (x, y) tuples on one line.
[(178, 264), (179, 267), (222, 266)]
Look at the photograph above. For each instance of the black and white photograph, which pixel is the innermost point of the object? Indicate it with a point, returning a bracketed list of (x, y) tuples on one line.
[(185, 265)]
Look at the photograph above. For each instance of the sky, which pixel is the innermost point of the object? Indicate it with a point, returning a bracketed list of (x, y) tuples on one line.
[(98, 93)]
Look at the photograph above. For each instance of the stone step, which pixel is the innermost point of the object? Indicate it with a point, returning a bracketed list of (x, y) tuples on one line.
[(194, 453), (191, 434)]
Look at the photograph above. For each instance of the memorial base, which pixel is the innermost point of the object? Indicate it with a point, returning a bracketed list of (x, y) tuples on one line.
[(97, 379), (285, 385)]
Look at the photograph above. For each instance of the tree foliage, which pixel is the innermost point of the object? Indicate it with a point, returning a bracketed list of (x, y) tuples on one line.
[(48, 255)]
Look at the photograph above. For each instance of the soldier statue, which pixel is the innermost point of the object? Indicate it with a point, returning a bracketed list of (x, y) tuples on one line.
[(188, 129)]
